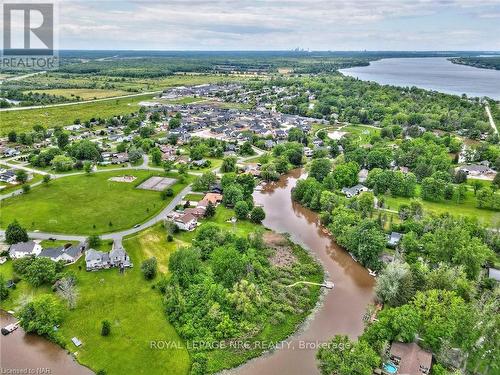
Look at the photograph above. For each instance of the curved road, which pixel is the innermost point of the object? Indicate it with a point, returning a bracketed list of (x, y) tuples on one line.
[(117, 237)]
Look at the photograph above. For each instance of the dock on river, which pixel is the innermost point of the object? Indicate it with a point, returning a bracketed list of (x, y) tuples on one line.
[(326, 284)]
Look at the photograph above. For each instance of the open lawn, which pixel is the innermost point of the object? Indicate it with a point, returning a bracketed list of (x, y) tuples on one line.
[(83, 94), (362, 132), (85, 204), (24, 120), (465, 208)]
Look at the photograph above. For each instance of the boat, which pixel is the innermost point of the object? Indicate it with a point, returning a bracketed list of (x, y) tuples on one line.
[(9, 328), (371, 273)]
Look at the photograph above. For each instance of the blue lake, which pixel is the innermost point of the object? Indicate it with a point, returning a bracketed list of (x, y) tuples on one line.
[(432, 73)]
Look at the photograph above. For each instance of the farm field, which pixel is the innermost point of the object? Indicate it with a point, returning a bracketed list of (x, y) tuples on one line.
[(85, 204), (83, 94)]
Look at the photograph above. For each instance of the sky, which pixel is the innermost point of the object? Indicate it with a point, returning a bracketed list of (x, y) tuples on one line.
[(279, 25)]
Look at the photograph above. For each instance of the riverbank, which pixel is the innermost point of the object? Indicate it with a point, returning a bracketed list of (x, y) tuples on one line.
[(25, 352), (342, 308)]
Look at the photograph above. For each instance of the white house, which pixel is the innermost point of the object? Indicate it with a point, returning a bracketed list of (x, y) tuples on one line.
[(24, 249), (118, 257), (95, 260), (186, 222)]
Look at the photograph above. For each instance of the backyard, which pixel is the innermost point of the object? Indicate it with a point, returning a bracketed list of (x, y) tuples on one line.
[(108, 295), (465, 208), (86, 204)]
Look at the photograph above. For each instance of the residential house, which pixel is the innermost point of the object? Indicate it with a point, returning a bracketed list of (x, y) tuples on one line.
[(393, 239), (96, 260), (476, 170), (410, 359), (308, 152), (69, 254), (186, 222), (24, 249), (494, 273), (8, 176), (214, 198), (118, 257), (363, 175), (119, 158), (353, 191)]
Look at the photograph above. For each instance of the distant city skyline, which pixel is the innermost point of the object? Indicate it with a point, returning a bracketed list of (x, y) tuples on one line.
[(280, 25)]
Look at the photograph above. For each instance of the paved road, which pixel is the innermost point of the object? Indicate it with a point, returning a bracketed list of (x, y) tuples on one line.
[(76, 103), (115, 236), (490, 117)]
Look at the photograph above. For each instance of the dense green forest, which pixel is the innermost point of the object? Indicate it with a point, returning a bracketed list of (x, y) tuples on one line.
[(355, 101)]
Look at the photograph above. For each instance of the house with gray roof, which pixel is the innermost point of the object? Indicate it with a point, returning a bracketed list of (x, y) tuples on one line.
[(68, 254), (96, 260), (24, 249), (118, 257), (393, 239), (353, 191)]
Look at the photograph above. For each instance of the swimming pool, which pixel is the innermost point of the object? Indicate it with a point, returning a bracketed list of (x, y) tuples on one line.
[(390, 368)]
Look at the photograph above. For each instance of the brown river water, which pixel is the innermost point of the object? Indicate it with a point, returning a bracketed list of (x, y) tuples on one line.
[(342, 309), (22, 353), (340, 312)]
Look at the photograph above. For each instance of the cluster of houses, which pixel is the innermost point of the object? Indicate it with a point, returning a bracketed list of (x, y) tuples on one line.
[(69, 254), (188, 219), (229, 124), (206, 90)]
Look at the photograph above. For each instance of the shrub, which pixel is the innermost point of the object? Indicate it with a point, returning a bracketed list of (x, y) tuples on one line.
[(26, 188), (105, 328), (149, 268), (257, 215)]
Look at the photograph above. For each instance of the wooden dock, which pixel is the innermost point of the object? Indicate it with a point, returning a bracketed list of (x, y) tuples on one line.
[(326, 284)]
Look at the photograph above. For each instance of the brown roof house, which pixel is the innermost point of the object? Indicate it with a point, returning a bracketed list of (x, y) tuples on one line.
[(410, 359)]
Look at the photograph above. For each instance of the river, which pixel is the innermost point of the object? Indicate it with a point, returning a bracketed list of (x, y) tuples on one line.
[(431, 73), (341, 310), (343, 307), (33, 354)]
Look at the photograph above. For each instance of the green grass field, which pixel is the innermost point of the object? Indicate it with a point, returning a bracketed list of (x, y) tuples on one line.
[(362, 132), (74, 204), (466, 208), (24, 120)]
